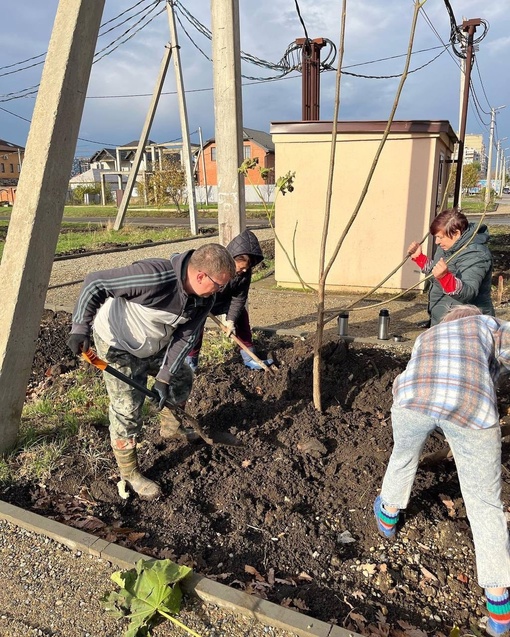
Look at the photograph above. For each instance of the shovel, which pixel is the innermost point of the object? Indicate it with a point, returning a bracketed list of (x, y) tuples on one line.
[(253, 356), (219, 438)]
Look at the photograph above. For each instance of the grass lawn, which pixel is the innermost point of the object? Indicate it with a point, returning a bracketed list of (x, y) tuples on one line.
[(95, 236)]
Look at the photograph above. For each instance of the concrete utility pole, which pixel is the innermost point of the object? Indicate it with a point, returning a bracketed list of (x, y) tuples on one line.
[(142, 142), (37, 213), (202, 157), (468, 26), (502, 165), (228, 114), (488, 186), (498, 155), (186, 146)]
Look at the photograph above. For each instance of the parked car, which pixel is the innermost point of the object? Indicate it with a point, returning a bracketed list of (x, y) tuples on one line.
[(506, 190)]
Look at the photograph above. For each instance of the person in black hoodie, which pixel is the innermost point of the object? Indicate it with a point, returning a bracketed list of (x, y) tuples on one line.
[(231, 301)]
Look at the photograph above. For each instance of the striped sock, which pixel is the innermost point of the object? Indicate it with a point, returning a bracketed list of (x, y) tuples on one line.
[(499, 611), (387, 520)]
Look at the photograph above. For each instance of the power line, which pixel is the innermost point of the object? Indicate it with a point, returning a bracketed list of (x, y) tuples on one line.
[(481, 84), (107, 50), (389, 77), (35, 57)]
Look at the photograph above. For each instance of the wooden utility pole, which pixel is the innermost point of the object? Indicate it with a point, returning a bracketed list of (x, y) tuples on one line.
[(468, 26), (183, 114), (228, 114), (37, 213)]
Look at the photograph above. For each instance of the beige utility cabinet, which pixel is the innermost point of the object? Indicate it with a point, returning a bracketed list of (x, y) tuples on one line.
[(405, 194)]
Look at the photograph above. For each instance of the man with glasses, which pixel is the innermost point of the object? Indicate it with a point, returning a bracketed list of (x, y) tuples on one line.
[(145, 318)]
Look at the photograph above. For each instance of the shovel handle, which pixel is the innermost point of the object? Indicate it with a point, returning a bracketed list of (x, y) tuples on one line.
[(242, 345), (91, 357)]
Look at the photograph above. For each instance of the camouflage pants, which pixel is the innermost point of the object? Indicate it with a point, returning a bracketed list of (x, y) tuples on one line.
[(125, 410)]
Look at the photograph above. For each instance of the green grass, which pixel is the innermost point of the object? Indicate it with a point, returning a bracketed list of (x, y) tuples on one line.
[(209, 211), (94, 236), (53, 423), (474, 204)]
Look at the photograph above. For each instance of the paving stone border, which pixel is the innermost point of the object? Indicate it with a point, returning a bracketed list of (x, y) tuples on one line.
[(207, 590)]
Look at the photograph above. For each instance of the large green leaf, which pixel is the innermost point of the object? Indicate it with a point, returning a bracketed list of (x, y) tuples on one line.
[(150, 588)]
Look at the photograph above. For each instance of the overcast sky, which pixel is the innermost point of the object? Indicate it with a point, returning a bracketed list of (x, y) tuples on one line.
[(122, 81)]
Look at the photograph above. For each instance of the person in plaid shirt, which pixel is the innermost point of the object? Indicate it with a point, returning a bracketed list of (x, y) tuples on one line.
[(450, 384)]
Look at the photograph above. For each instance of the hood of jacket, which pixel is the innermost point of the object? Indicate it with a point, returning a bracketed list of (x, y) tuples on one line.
[(246, 243), (481, 237)]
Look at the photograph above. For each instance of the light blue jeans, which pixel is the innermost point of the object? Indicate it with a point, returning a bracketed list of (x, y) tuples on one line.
[(477, 455)]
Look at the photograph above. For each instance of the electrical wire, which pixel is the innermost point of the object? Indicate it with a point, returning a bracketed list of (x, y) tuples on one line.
[(483, 87), (35, 57), (148, 9), (128, 31), (107, 50), (389, 77)]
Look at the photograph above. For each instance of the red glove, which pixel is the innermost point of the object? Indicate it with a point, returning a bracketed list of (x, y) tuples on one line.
[(448, 283)]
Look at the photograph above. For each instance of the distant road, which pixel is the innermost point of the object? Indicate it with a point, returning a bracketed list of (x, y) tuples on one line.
[(162, 221), (158, 221)]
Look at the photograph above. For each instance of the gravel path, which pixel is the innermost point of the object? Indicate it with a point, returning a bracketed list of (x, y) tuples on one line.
[(269, 307), (48, 589)]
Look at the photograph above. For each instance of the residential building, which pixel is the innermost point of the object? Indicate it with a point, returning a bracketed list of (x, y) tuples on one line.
[(11, 161), (112, 166), (474, 150), (256, 145)]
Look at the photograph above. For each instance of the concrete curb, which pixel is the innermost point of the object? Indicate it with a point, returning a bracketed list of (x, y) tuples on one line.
[(209, 591)]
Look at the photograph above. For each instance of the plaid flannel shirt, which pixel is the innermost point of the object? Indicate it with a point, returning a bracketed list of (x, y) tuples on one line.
[(453, 371)]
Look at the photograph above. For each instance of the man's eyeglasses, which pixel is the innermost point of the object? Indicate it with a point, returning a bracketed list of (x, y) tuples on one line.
[(218, 285)]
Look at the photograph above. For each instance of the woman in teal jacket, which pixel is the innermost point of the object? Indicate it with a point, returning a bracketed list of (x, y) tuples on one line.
[(467, 277)]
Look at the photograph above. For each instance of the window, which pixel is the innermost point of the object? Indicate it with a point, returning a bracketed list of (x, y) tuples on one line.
[(12, 167), (213, 153), (2, 168), (246, 151)]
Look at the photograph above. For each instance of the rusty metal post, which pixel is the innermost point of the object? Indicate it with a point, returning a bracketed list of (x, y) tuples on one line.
[(310, 72), (470, 27)]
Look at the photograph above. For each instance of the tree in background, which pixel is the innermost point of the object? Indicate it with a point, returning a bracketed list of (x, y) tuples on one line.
[(77, 195), (165, 185), (470, 176)]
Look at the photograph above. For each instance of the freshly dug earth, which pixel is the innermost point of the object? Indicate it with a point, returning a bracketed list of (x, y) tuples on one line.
[(287, 515)]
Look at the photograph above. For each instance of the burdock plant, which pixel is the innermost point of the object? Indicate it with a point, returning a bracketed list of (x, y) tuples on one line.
[(148, 592)]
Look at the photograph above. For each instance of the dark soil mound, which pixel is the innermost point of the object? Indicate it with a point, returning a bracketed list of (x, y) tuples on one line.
[(288, 515)]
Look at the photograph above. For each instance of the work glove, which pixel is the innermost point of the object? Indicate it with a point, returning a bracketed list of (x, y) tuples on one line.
[(162, 390), (78, 343), (229, 328)]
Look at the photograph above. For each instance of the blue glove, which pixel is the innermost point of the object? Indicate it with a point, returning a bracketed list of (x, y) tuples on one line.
[(161, 389), (251, 364), (78, 343)]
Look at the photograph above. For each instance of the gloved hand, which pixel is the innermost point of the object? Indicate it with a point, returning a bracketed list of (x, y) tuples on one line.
[(229, 328), (78, 343), (161, 389)]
